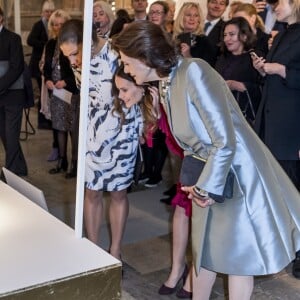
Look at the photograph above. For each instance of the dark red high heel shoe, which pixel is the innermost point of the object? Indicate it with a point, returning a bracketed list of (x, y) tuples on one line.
[(165, 290)]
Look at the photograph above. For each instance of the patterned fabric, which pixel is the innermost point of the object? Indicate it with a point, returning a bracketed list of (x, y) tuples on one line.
[(61, 112), (111, 147)]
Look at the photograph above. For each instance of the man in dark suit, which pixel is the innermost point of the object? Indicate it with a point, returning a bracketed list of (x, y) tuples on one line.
[(12, 98), (214, 23), (37, 39)]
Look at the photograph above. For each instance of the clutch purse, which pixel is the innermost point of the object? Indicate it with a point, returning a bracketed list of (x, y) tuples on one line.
[(191, 170)]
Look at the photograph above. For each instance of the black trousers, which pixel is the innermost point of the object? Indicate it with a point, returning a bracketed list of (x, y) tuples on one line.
[(10, 128)]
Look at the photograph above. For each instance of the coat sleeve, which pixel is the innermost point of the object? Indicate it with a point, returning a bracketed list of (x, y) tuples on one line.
[(49, 52), (210, 117)]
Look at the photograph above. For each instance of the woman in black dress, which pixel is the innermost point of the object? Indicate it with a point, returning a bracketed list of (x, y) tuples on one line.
[(58, 76), (235, 66)]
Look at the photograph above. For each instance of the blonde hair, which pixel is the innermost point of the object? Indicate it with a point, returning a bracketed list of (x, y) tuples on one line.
[(250, 10), (59, 13), (178, 23), (295, 16), (107, 10), (232, 8)]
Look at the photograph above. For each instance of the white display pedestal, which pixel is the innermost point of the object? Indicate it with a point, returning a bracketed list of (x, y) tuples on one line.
[(40, 257)]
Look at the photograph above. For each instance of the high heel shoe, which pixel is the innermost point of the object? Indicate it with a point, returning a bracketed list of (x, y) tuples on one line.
[(62, 165), (183, 294), (73, 171), (165, 290)]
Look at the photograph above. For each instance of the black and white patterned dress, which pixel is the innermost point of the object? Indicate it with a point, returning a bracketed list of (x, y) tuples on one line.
[(111, 148)]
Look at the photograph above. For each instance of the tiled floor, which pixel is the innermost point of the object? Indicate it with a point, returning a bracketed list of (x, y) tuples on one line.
[(146, 250)]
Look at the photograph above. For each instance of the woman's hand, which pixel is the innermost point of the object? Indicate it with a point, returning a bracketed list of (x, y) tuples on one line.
[(258, 64), (271, 39), (275, 68), (200, 201), (60, 84), (185, 50), (259, 5), (155, 101), (50, 85), (236, 85)]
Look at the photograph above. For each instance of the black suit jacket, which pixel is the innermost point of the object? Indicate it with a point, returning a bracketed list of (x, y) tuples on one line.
[(215, 37), (37, 39), (277, 120), (11, 50)]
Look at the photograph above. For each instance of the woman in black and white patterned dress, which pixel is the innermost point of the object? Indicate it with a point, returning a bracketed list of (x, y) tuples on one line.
[(111, 141)]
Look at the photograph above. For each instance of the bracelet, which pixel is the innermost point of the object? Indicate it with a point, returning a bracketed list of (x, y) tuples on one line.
[(199, 192)]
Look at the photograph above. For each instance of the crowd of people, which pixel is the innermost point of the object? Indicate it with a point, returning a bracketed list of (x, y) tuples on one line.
[(188, 87)]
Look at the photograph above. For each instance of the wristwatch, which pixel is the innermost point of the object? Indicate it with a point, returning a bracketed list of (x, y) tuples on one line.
[(201, 193)]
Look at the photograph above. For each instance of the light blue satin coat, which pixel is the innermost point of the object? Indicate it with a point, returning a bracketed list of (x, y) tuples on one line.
[(258, 231)]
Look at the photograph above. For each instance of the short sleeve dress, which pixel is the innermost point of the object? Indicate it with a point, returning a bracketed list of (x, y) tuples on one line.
[(111, 146)]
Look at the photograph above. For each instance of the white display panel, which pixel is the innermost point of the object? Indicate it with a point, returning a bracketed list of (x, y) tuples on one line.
[(36, 247)]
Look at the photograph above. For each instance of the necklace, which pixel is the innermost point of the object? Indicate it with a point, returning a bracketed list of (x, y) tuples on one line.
[(164, 87)]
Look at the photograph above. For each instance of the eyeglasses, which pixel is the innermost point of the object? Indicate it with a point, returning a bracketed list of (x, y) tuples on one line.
[(156, 12)]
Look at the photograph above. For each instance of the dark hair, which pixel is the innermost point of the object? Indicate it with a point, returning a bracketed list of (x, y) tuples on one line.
[(146, 105), (244, 29), (164, 4), (148, 43), (118, 25), (1, 12), (122, 13), (72, 32)]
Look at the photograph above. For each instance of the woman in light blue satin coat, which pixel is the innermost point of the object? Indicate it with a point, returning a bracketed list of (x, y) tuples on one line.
[(257, 232)]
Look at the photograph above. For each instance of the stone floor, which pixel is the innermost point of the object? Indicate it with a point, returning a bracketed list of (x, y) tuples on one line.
[(146, 250)]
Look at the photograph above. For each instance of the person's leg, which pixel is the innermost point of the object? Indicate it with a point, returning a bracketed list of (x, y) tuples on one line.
[(240, 287), (160, 152), (118, 213), (179, 244), (54, 155), (62, 143), (74, 133), (93, 211), (15, 160), (202, 284), (148, 163), (62, 164)]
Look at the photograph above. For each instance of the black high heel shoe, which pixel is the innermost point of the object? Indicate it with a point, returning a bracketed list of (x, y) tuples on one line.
[(62, 166), (73, 171), (165, 290)]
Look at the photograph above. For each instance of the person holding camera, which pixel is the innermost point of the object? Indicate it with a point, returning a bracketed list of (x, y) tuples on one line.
[(189, 31), (103, 18)]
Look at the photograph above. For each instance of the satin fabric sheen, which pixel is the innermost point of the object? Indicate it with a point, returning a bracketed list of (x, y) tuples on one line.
[(258, 231)]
